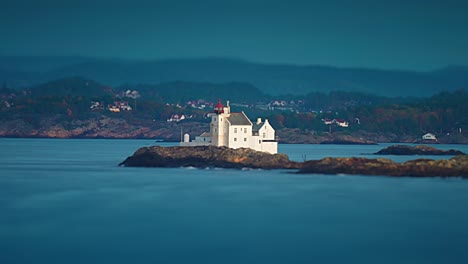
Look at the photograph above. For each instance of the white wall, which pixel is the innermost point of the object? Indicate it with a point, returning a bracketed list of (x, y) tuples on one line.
[(267, 132), (270, 147), (224, 134), (219, 130), (240, 136)]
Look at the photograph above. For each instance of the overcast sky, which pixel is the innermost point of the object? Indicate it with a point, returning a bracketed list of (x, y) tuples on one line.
[(397, 34)]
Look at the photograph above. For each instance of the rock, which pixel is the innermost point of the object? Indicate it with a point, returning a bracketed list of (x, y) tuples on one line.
[(456, 166), (416, 150), (223, 157), (207, 156), (347, 140)]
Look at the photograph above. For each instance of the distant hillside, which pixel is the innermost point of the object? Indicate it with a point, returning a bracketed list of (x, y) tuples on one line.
[(76, 86), (181, 92), (272, 79)]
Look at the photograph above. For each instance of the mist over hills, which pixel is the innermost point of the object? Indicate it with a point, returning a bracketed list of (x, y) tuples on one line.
[(74, 86), (272, 79)]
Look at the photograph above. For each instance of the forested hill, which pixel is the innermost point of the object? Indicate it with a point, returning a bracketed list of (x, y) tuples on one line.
[(78, 107), (181, 92), (271, 79)]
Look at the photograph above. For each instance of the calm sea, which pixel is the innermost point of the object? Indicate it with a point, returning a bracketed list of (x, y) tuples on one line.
[(67, 201)]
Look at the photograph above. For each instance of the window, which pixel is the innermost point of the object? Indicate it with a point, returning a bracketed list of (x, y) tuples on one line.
[(264, 135), (221, 119), (235, 139), (245, 139), (235, 130), (214, 119), (245, 130)]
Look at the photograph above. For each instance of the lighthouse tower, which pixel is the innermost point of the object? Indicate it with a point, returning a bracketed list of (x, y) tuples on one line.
[(218, 126), (235, 130)]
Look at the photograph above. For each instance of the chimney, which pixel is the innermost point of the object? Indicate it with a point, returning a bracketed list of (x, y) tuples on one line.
[(259, 120)]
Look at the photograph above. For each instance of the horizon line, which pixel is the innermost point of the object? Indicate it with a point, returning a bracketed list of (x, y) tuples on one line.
[(231, 58)]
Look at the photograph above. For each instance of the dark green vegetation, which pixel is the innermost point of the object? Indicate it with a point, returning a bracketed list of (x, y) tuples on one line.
[(181, 92), (62, 108), (444, 114)]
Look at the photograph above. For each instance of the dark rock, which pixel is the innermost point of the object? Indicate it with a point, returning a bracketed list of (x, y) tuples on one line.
[(456, 166), (348, 142), (223, 157), (207, 156), (344, 139), (416, 150)]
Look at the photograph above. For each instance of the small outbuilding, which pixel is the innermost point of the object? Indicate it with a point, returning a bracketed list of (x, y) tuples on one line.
[(429, 136)]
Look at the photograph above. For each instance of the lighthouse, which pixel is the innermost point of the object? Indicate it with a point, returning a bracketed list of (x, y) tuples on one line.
[(218, 125), (235, 130)]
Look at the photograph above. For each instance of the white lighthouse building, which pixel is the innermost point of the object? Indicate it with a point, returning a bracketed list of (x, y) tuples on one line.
[(235, 130)]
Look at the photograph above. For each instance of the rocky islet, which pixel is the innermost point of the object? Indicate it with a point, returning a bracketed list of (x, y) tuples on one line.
[(223, 157)]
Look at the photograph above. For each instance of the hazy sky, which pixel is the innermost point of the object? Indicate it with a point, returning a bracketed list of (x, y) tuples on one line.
[(398, 34)]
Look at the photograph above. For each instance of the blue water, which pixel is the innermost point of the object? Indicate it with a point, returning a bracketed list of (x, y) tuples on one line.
[(67, 201)]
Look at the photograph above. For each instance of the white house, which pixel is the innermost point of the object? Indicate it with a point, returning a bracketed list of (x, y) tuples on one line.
[(235, 130), (341, 122), (429, 136), (338, 122), (119, 105)]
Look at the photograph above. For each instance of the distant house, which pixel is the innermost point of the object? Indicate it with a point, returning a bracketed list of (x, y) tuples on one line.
[(178, 118), (341, 122), (119, 106), (338, 122), (199, 104), (327, 121), (96, 106), (114, 108), (123, 105), (204, 137), (131, 94), (429, 136)]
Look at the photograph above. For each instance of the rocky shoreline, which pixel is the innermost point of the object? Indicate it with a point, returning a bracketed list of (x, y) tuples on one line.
[(454, 167), (417, 150), (120, 128), (223, 157), (207, 156)]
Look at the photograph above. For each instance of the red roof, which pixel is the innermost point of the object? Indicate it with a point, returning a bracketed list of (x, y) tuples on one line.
[(219, 104)]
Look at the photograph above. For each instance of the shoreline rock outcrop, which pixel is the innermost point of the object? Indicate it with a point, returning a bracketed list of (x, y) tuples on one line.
[(454, 167), (207, 156), (347, 142), (416, 150), (223, 157)]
